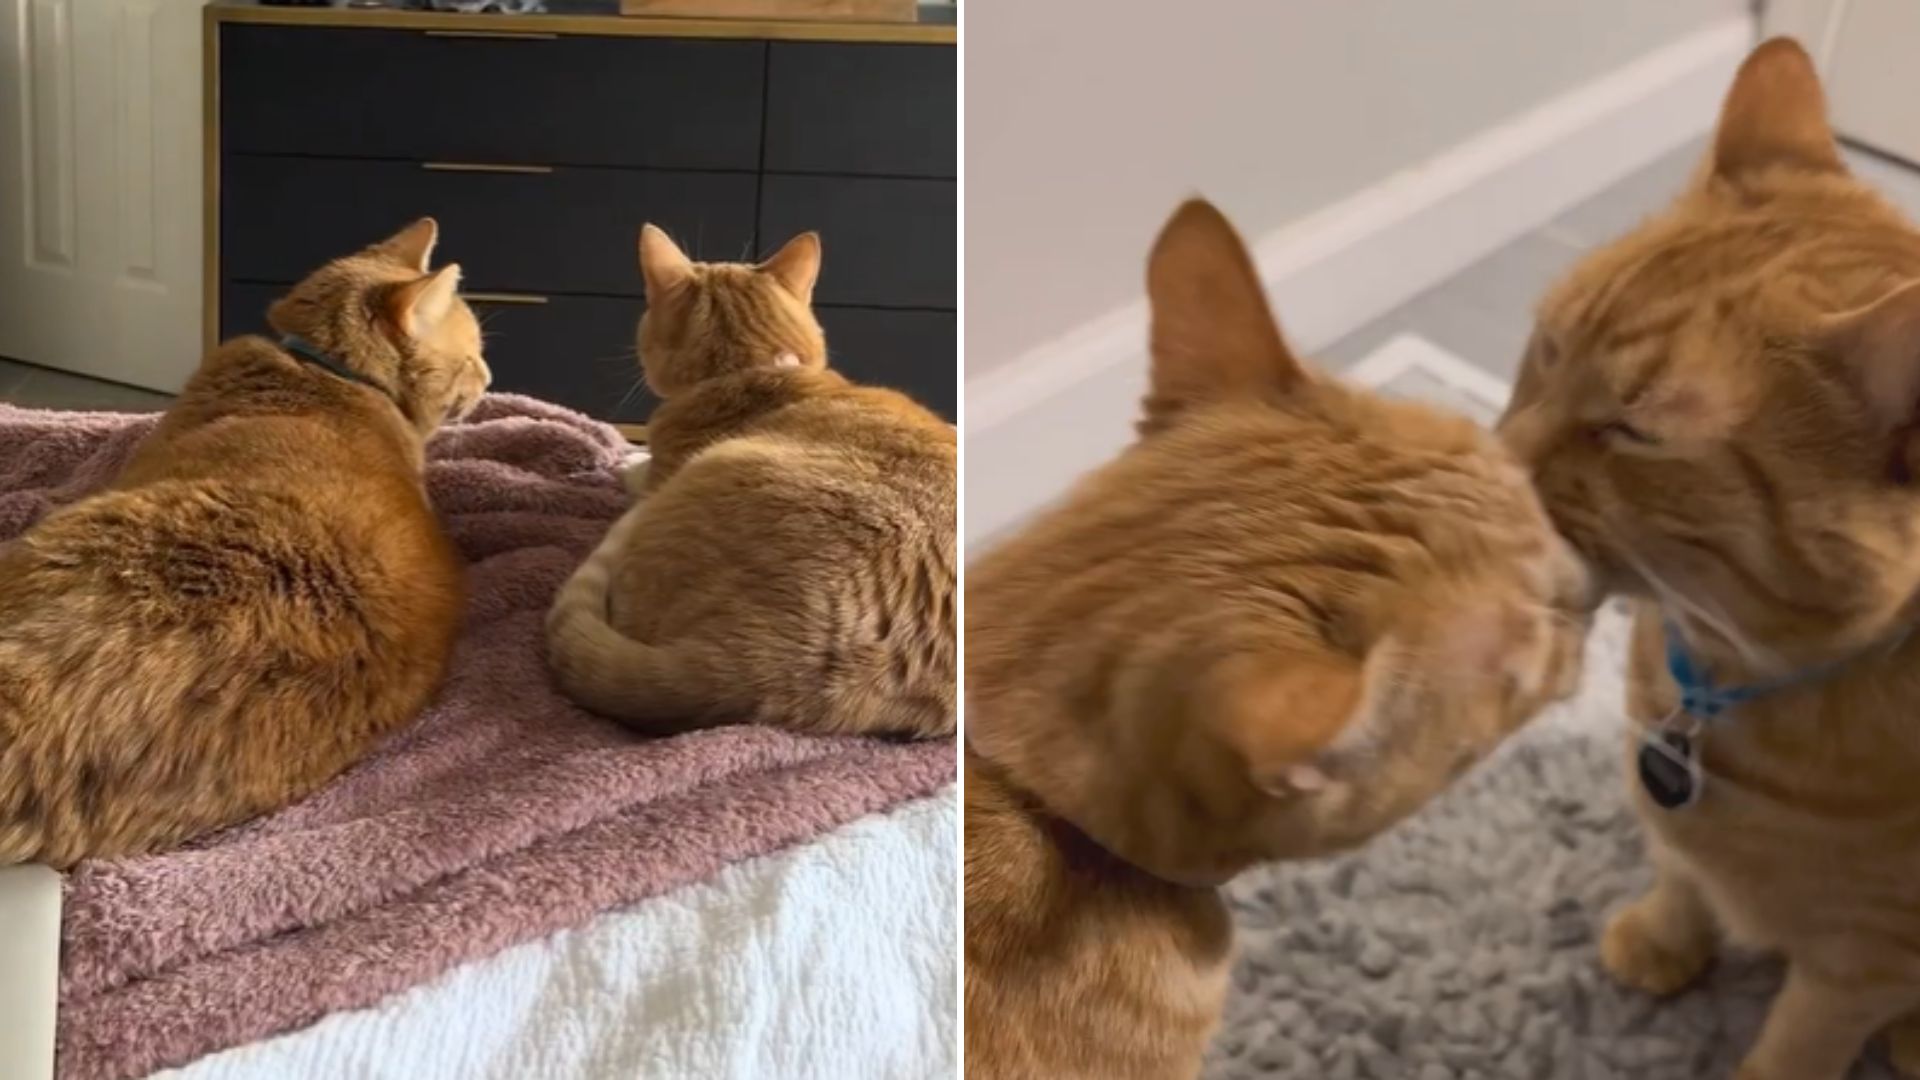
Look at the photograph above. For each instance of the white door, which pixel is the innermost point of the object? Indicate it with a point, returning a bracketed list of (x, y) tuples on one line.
[(100, 198)]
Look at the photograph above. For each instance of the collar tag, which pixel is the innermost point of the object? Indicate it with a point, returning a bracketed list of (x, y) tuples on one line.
[(1669, 764), (1669, 758)]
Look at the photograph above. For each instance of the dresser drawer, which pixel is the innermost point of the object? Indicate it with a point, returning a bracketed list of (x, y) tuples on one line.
[(885, 242), (915, 351), (571, 230), (576, 351), (569, 100), (877, 109)]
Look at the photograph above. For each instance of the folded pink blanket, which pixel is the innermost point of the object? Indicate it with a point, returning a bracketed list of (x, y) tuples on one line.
[(502, 815)]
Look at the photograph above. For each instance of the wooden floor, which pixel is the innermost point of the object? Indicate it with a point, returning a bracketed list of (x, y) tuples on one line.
[(44, 388)]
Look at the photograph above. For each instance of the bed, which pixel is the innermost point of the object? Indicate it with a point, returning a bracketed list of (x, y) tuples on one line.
[(509, 886)]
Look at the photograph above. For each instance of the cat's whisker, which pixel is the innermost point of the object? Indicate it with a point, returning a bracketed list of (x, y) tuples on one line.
[(627, 398), (1716, 619)]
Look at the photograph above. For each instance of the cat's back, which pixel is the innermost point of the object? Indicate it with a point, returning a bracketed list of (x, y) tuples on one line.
[(827, 450), (871, 432), (1077, 965), (1255, 499), (257, 501)]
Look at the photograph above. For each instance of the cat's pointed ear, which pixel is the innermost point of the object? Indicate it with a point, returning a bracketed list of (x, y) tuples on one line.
[(1880, 343), (1283, 720), (796, 266), (1340, 723), (1775, 114), (412, 246), (1213, 336), (417, 307), (663, 265)]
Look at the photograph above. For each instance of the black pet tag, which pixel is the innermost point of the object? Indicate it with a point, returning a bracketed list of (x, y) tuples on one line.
[(1670, 768)]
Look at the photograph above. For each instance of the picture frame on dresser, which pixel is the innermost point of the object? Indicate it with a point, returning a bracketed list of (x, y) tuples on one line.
[(542, 142)]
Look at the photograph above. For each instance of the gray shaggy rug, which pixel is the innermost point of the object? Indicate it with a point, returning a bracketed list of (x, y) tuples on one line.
[(1463, 945)]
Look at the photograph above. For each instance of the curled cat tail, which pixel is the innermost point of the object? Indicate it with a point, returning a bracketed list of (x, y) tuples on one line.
[(641, 685), (20, 842), (23, 826)]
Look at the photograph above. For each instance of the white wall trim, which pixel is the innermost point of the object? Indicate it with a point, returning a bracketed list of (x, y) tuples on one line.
[(1405, 352), (1056, 411)]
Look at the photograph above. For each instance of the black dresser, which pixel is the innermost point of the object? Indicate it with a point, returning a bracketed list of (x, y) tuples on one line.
[(543, 142)]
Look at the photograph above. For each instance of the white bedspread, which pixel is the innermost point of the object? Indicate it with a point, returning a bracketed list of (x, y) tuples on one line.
[(834, 960)]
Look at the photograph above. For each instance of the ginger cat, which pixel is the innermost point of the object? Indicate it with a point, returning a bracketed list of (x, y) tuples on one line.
[(263, 591), (1285, 618), (1719, 410), (791, 561)]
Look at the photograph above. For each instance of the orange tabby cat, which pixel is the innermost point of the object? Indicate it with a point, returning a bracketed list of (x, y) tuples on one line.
[(1720, 411), (1280, 622), (792, 559), (263, 591)]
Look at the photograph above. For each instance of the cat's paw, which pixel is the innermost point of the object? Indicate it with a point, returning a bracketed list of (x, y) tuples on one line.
[(633, 472), (1636, 956)]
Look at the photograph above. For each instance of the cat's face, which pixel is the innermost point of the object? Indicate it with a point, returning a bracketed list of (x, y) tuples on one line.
[(1286, 617), (709, 320), (1717, 408), (384, 313)]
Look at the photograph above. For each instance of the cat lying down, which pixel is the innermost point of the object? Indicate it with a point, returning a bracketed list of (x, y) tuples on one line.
[(1286, 617)]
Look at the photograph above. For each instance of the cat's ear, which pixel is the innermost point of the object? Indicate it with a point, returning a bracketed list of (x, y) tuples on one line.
[(1213, 337), (417, 307), (1775, 114), (1285, 718), (1305, 728), (796, 266), (1880, 343), (663, 265), (412, 246)]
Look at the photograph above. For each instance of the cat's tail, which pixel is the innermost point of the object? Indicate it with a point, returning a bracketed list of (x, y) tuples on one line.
[(23, 824), (644, 686), (20, 842)]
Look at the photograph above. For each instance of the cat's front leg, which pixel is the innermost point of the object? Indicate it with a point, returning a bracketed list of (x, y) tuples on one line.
[(1664, 940), (634, 472), (1818, 1026)]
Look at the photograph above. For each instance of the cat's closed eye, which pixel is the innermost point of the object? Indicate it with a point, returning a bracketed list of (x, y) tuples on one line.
[(1622, 432)]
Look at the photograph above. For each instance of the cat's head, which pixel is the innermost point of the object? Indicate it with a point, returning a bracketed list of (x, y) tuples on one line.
[(1719, 407), (710, 320), (1283, 619), (382, 312)]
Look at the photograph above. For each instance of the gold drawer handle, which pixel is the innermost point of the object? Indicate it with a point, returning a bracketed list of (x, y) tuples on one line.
[(502, 298), (486, 167), (494, 35)]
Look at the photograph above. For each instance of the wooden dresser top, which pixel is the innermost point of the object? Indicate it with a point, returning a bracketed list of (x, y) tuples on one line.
[(936, 25)]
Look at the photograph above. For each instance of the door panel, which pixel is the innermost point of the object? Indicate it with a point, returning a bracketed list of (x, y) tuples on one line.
[(100, 187)]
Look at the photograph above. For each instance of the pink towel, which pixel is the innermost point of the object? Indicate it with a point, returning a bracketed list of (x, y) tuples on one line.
[(502, 815)]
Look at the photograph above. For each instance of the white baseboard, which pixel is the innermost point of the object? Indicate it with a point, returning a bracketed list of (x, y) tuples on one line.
[(1052, 414), (1404, 354), (1408, 366)]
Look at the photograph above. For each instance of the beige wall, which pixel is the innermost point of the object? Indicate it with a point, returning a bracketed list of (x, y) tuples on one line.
[(1087, 120)]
